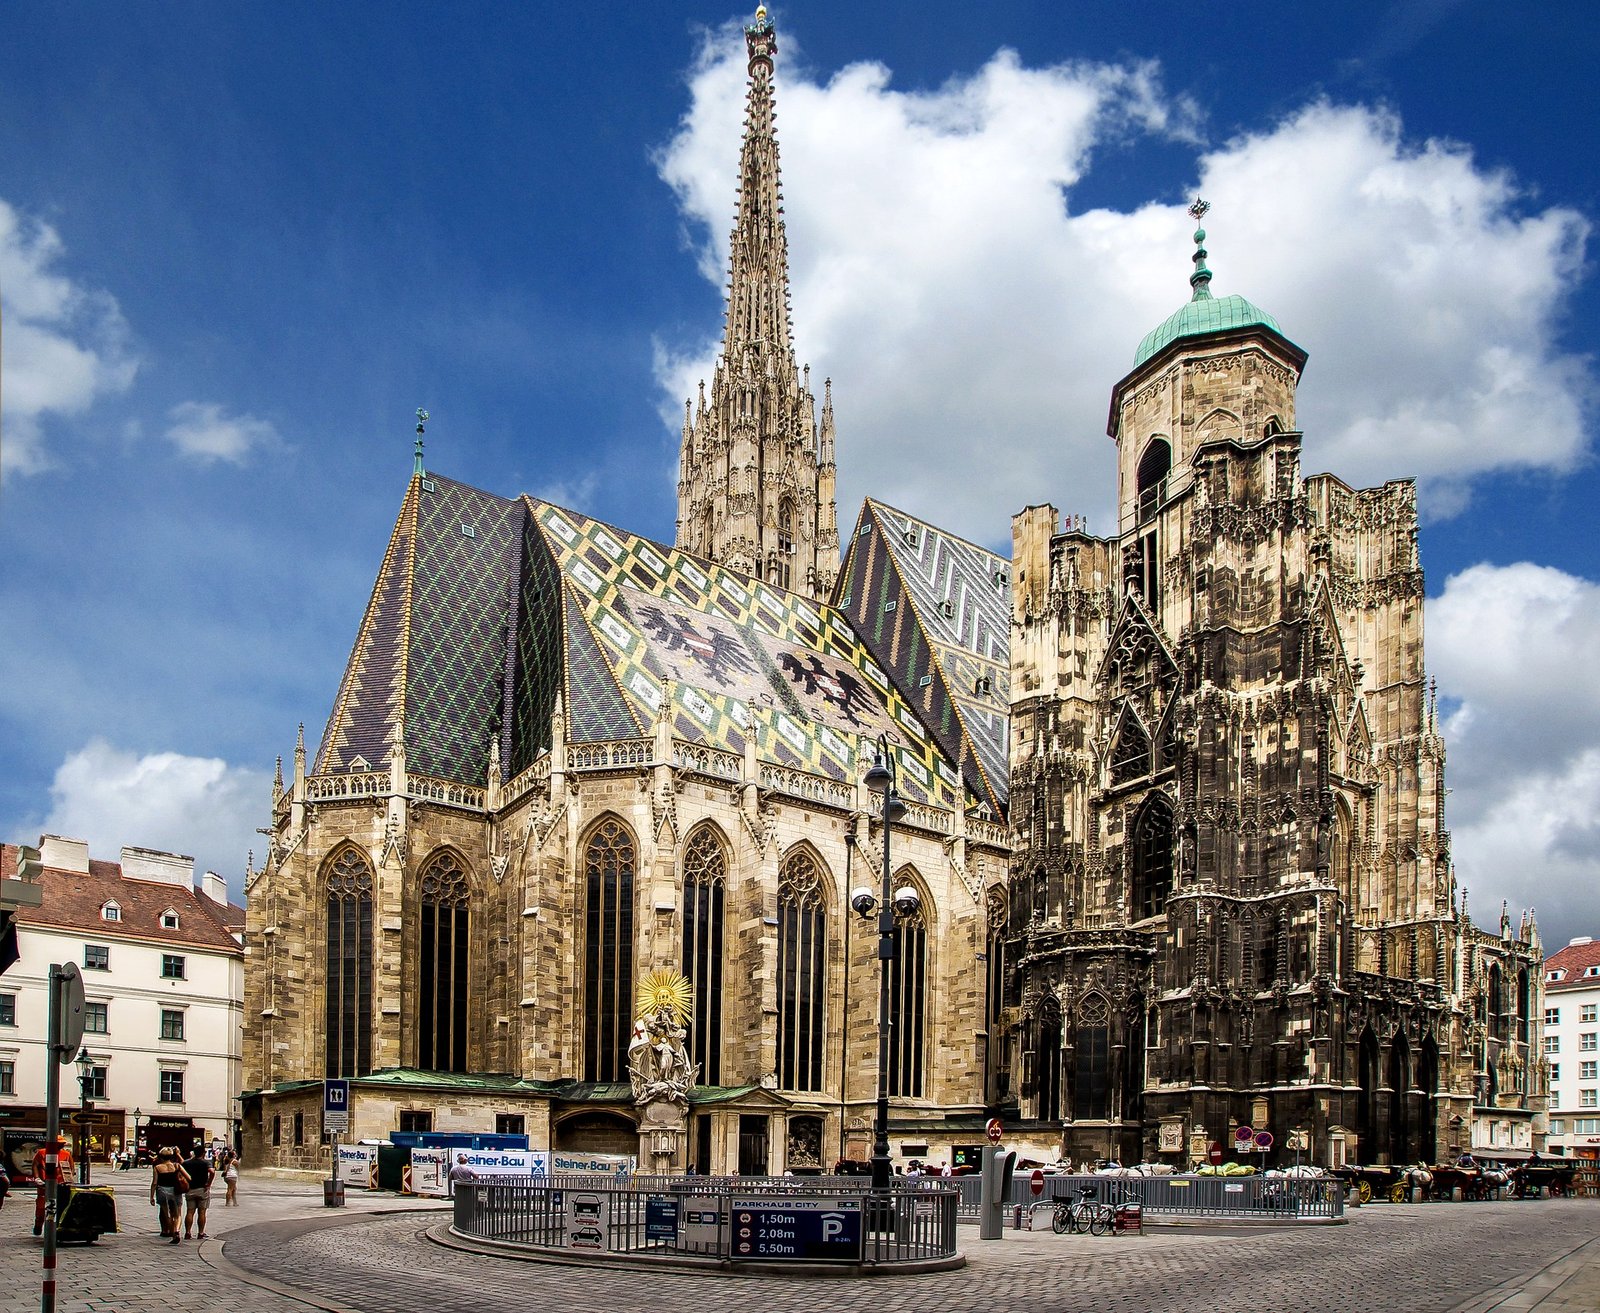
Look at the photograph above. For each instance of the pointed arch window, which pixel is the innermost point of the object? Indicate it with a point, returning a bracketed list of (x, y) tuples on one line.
[(442, 965), (802, 958), (609, 862), (705, 870), (1047, 1061), (1091, 1060), (1130, 755), (347, 1020), (908, 995), (784, 564), (1152, 858)]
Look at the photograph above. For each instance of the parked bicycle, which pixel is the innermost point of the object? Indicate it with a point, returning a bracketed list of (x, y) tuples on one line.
[(1086, 1213)]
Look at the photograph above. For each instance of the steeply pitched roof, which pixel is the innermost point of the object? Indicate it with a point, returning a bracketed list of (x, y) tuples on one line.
[(737, 658), (486, 608), (72, 900), (936, 611)]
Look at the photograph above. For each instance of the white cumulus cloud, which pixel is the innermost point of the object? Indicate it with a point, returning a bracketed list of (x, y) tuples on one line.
[(200, 806), (204, 432), (1512, 647), (973, 320), (65, 345)]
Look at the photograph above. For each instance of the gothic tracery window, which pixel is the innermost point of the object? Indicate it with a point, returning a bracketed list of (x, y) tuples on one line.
[(908, 1001), (609, 862), (1130, 754), (802, 958), (783, 567), (1091, 1084), (443, 949), (348, 981), (705, 869), (1152, 858)]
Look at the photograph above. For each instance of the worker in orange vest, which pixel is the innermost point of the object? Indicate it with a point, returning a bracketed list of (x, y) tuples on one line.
[(41, 1173)]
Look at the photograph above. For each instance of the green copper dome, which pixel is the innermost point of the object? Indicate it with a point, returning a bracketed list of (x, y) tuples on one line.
[(1204, 313), (1208, 314)]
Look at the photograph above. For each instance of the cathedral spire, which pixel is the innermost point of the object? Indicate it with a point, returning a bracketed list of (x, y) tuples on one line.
[(1200, 279), (758, 295), (756, 486)]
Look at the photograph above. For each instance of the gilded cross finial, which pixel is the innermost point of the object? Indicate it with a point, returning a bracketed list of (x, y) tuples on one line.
[(422, 420), (1200, 279)]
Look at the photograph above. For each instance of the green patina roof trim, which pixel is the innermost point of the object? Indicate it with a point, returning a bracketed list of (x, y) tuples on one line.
[(1204, 313)]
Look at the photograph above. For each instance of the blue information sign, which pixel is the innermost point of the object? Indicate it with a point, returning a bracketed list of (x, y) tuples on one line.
[(336, 1105), (813, 1230), (661, 1219)]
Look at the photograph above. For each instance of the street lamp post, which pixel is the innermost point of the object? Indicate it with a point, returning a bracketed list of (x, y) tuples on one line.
[(85, 1065), (880, 780), (133, 1156)]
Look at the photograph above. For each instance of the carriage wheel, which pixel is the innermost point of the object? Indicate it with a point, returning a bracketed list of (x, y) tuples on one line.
[(1364, 1191), (1397, 1193)]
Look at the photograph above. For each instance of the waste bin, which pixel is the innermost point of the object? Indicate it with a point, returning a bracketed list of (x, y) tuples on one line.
[(333, 1193)]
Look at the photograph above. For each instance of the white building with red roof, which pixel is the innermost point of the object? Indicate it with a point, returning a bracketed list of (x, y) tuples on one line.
[(163, 976), (1572, 1047)]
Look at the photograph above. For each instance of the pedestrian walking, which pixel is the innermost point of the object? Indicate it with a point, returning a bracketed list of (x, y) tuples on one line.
[(197, 1194), (168, 1181), (230, 1178), (41, 1173)]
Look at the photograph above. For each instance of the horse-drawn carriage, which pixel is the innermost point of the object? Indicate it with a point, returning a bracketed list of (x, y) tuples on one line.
[(1384, 1181), (1554, 1178), (1474, 1180)]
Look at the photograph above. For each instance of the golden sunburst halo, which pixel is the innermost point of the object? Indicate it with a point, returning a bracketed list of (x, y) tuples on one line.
[(669, 989)]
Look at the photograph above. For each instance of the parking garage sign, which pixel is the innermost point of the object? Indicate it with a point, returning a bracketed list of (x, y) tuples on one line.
[(809, 1230)]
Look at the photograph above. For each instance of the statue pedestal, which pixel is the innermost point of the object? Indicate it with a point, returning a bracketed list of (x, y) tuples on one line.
[(662, 1140)]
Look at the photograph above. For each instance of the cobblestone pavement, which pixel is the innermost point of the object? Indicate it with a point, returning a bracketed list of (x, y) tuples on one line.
[(135, 1271), (1399, 1259), (283, 1252)]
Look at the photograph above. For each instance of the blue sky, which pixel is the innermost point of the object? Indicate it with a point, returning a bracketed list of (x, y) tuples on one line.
[(240, 244)]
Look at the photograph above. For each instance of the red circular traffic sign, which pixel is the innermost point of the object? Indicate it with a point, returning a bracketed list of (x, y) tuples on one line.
[(1214, 1153), (1244, 1134), (994, 1130), (1036, 1181), (1263, 1141)]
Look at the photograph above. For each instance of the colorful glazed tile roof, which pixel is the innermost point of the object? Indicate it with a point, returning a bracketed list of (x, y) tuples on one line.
[(736, 658), (936, 611), (485, 608)]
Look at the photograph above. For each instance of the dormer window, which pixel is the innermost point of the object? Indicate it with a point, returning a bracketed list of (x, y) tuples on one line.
[(1591, 971), (169, 920), (1557, 974), (111, 912)]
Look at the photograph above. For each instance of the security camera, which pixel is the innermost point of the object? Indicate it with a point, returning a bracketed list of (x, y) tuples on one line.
[(863, 901), (907, 900)]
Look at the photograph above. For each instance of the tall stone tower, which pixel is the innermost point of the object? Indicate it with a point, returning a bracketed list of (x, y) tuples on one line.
[(756, 482)]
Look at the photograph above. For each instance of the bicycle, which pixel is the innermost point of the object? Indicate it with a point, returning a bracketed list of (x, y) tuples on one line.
[(1086, 1214)]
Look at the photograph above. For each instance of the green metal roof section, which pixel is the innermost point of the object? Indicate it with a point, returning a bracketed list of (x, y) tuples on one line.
[(1204, 314)]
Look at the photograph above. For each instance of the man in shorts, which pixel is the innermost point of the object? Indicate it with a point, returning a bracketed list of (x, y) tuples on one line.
[(198, 1198)]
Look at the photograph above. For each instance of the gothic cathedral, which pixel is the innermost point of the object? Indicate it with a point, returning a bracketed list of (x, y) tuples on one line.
[(1174, 803)]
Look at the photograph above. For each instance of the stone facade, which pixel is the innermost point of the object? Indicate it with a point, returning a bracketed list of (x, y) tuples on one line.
[(1232, 898), (1176, 794), (757, 478)]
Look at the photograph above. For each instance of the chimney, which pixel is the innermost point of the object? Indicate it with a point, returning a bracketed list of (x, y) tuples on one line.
[(59, 854), (158, 867), (214, 887)]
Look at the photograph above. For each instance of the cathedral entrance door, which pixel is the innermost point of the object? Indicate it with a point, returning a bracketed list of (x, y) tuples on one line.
[(752, 1145)]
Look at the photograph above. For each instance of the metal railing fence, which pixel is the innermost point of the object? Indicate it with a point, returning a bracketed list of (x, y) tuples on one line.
[(731, 1219), (1190, 1196)]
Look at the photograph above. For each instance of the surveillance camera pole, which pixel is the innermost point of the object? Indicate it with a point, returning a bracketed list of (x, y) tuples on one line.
[(881, 780)]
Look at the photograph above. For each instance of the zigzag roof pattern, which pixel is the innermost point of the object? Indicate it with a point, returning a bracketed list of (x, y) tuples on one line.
[(485, 608), (936, 610)]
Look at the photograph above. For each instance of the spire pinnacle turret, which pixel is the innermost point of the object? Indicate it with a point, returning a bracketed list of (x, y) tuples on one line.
[(1200, 279), (756, 486), (422, 420)]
